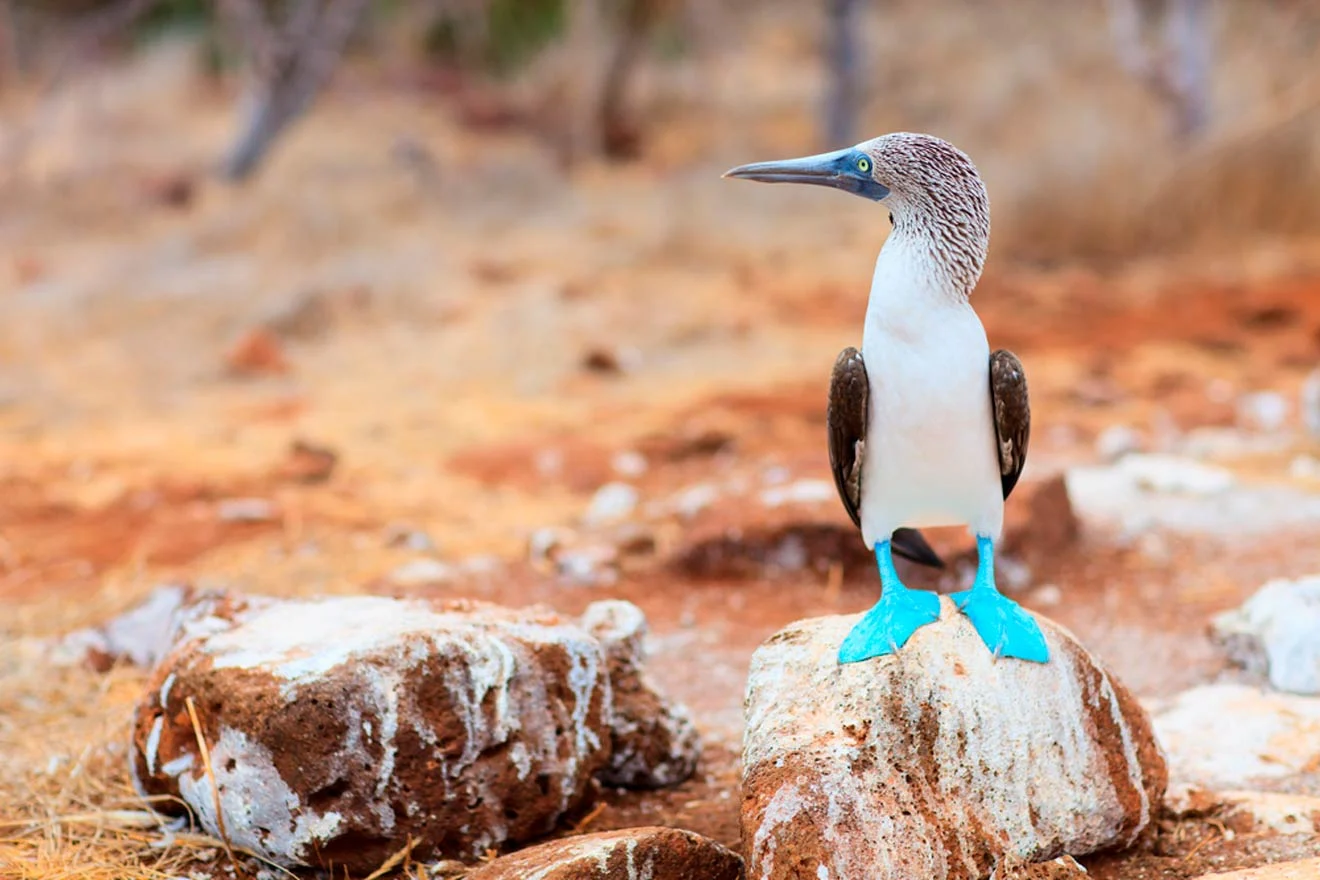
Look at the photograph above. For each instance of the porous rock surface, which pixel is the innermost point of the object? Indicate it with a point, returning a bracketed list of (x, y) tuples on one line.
[(652, 853), (339, 728), (938, 762)]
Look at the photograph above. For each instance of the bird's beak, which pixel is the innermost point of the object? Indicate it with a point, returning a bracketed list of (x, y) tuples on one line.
[(838, 170)]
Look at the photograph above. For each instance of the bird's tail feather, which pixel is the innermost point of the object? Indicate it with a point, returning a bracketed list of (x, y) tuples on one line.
[(911, 544)]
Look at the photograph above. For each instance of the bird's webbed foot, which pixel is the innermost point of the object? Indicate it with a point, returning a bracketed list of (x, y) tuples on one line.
[(892, 621), (1005, 627)]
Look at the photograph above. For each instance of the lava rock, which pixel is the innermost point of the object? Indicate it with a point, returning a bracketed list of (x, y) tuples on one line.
[(337, 729), (1277, 633), (1226, 736), (938, 762), (653, 742), (1304, 870), (654, 853)]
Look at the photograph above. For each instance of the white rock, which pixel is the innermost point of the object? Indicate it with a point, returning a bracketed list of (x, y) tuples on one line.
[(1310, 404), (1304, 467), (629, 463), (1156, 472), (1277, 632), (1265, 411), (245, 510), (611, 503), (937, 762), (1117, 441), (691, 501), (799, 492), (418, 572), (1233, 736)]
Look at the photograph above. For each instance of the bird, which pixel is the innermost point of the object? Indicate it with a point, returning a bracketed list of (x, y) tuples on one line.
[(926, 426)]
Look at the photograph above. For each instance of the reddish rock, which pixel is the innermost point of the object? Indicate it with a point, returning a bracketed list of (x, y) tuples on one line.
[(938, 762), (307, 463), (653, 853), (653, 742), (340, 728)]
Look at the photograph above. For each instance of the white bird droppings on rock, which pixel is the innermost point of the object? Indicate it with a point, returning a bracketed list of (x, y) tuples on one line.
[(1233, 736), (1277, 633), (339, 728), (1117, 441), (245, 510), (937, 762)]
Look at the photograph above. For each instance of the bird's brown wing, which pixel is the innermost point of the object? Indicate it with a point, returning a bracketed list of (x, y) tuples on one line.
[(846, 420), (1012, 413)]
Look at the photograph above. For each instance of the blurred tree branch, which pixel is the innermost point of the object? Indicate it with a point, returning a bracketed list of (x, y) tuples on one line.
[(292, 57), (1177, 71), (841, 102)]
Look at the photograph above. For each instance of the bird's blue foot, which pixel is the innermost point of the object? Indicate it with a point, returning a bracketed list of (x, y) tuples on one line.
[(892, 621), (1005, 627)]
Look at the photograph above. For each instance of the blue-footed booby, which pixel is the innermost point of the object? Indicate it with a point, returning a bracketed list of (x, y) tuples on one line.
[(926, 426)]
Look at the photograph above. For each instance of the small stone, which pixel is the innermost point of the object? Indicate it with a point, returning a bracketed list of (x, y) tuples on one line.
[(307, 463), (1117, 441), (545, 543), (250, 510), (691, 501), (601, 360), (1304, 467), (964, 761), (409, 538), (799, 492), (589, 564), (141, 635), (420, 572), (257, 353), (1277, 633), (654, 853), (1271, 737), (1265, 411), (629, 463), (611, 503), (1310, 404), (1046, 596)]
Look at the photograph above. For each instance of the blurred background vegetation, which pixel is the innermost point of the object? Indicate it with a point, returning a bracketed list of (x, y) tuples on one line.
[(1112, 127)]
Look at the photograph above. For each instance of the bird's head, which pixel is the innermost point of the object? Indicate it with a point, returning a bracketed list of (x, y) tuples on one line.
[(931, 188)]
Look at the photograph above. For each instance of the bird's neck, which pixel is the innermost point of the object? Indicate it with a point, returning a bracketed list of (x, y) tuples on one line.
[(921, 273)]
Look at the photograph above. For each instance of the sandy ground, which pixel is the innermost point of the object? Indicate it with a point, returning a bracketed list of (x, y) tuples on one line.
[(481, 342)]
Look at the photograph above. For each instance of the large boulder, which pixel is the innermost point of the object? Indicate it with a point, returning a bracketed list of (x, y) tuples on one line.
[(938, 762), (653, 853), (337, 729)]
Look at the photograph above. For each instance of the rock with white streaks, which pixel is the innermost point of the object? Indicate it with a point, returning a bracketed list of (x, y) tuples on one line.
[(937, 762), (653, 853), (1277, 633), (340, 728)]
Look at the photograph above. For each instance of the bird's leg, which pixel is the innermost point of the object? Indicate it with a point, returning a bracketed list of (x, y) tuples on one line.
[(1002, 624), (899, 613)]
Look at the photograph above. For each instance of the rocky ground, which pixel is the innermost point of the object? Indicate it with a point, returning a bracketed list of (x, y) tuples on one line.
[(465, 376)]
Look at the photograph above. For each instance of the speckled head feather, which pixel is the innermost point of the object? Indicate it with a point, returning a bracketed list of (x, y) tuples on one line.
[(937, 200)]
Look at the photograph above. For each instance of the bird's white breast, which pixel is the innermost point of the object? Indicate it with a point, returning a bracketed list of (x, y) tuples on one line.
[(930, 456)]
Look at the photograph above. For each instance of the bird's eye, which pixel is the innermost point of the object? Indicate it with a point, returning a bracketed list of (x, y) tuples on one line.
[(864, 165)]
